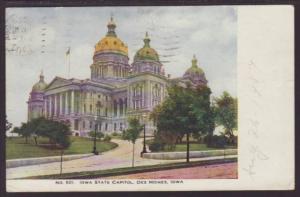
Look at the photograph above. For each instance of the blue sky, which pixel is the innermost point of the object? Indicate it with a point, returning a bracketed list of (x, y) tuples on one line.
[(41, 37)]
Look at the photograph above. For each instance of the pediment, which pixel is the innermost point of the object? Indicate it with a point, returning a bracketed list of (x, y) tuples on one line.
[(58, 82)]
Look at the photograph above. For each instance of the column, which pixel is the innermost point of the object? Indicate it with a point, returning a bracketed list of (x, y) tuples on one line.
[(55, 105), (60, 103), (72, 102), (66, 102), (148, 94), (45, 107), (50, 106), (143, 95)]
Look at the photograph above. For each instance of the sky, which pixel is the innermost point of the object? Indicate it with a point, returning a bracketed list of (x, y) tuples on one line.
[(38, 38)]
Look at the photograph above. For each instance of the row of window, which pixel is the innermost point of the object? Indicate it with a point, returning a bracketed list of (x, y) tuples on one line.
[(99, 127)]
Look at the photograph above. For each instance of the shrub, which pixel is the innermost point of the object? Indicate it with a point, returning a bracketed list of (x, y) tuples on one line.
[(156, 146), (106, 138), (215, 141)]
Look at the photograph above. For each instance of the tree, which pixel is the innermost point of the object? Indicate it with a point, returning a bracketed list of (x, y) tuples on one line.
[(226, 114), (8, 125), (25, 131), (185, 111), (132, 133)]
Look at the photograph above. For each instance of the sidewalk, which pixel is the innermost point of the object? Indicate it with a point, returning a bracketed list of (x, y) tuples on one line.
[(12, 163)]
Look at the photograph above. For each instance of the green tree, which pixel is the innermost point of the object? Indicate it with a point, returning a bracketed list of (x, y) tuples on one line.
[(185, 111), (25, 131), (8, 125), (132, 133), (226, 114)]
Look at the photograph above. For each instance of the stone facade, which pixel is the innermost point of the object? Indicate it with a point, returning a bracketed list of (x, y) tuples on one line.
[(115, 91)]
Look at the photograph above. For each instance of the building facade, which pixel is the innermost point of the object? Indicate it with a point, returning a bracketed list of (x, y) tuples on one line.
[(115, 91)]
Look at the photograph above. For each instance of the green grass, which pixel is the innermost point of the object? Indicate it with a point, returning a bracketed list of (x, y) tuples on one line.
[(194, 147), (16, 147)]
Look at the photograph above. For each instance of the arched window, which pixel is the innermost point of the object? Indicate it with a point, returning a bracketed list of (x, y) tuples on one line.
[(121, 106), (115, 108), (91, 108)]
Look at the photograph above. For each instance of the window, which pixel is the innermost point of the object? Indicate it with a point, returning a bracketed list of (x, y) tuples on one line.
[(83, 124), (121, 126), (106, 126), (84, 108), (106, 112), (99, 96), (115, 126), (106, 98), (91, 124), (76, 124), (115, 108), (91, 108)]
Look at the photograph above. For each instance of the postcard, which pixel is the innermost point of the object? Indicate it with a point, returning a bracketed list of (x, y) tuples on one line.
[(165, 98)]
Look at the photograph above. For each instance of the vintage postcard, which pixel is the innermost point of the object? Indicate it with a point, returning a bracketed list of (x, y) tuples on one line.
[(149, 98)]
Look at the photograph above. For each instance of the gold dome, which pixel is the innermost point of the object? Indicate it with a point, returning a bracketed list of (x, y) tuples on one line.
[(111, 43), (146, 53), (40, 85)]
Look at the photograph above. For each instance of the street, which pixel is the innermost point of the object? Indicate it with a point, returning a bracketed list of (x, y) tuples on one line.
[(119, 157)]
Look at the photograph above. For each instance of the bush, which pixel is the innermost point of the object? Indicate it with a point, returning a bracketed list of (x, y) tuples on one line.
[(99, 134), (106, 138), (215, 141), (115, 134), (156, 146)]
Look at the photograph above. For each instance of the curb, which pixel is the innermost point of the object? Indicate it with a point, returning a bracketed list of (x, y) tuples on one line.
[(193, 154)]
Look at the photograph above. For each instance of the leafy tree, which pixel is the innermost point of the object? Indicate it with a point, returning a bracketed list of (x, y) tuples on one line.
[(8, 125), (185, 111), (226, 114), (132, 133), (25, 131)]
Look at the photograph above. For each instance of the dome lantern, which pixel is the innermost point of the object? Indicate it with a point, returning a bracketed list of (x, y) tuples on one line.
[(111, 28)]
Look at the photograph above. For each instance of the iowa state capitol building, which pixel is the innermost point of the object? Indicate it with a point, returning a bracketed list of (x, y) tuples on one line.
[(115, 91)]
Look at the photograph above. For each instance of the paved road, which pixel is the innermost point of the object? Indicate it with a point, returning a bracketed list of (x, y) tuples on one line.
[(215, 171), (119, 157)]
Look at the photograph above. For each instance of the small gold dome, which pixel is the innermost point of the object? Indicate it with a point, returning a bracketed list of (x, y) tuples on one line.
[(194, 69), (146, 53), (111, 43), (40, 85)]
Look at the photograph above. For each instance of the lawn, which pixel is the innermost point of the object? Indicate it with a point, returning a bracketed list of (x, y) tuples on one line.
[(194, 147), (16, 147)]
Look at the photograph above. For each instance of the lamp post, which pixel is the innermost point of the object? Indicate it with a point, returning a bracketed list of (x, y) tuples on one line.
[(144, 147), (98, 105)]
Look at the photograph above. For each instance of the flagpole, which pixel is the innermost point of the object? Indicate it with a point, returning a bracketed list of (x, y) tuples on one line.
[(69, 66), (68, 61)]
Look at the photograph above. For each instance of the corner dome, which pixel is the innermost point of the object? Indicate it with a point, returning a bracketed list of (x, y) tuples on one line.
[(146, 53), (40, 86), (194, 69), (111, 43)]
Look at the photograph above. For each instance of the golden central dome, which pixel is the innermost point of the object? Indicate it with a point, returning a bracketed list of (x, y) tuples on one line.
[(111, 43)]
